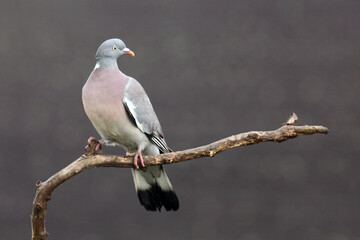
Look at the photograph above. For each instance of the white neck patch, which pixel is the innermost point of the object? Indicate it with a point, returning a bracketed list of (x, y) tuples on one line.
[(97, 65)]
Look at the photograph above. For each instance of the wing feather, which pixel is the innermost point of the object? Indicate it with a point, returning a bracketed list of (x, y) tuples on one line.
[(141, 112)]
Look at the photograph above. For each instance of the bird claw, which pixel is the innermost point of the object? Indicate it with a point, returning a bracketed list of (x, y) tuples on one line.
[(94, 146), (136, 164)]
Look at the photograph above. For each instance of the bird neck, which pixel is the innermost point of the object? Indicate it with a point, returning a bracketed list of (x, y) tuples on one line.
[(106, 62)]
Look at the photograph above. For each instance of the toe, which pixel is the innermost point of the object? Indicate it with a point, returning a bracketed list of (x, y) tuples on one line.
[(91, 139), (142, 160), (136, 165), (135, 161)]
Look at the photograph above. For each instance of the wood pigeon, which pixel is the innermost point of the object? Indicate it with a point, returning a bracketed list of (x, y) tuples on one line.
[(122, 114)]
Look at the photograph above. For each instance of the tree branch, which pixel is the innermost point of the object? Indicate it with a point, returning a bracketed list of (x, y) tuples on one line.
[(45, 189)]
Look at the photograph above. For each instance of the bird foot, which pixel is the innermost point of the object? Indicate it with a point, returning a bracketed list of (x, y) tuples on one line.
[(136, 157), (94, 146)]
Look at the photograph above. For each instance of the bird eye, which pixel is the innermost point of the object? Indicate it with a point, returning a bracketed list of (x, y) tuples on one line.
[(114, 47)]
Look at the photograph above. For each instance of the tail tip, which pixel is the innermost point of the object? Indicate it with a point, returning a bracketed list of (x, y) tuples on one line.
[(155, 198)]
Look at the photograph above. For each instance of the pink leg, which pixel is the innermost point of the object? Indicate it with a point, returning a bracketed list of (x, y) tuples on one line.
[(138, 155)]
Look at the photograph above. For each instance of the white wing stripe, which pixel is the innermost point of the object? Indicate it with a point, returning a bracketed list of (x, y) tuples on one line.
[(132, 108)]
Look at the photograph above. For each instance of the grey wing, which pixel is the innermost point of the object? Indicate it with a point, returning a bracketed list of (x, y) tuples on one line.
[(140, 110)]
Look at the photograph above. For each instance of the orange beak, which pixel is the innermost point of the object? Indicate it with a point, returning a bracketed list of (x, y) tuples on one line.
[(128, 52)]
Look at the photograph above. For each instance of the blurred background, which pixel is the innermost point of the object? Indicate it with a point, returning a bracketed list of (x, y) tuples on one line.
[(211, 69)]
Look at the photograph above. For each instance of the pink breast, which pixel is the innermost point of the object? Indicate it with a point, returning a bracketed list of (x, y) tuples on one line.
[(103, 97)]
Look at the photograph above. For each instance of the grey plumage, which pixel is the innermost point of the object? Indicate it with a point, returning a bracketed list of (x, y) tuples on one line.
[(138, 105), (122, 114)]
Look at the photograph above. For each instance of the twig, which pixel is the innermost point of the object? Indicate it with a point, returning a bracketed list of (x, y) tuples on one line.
[(45, 189)]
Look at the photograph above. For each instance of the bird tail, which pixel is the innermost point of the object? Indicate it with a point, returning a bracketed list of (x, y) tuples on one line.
[(154, 189)]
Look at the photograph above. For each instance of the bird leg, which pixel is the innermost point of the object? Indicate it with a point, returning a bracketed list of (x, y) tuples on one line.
[(94, 146), (136, 156)]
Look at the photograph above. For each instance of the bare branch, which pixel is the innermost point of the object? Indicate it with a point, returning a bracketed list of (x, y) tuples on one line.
[(45, 189)]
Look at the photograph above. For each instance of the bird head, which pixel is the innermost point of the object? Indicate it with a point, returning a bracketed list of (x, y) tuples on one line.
[(112, 49)]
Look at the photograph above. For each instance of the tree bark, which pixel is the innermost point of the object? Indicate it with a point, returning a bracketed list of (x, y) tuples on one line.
[(45, 189)]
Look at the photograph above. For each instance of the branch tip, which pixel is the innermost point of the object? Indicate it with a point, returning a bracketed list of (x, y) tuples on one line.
[(292, 120)]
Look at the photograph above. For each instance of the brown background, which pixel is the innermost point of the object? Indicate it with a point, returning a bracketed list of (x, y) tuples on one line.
[(211, 69)]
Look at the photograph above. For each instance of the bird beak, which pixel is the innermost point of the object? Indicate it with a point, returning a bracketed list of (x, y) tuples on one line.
[(129, 52)]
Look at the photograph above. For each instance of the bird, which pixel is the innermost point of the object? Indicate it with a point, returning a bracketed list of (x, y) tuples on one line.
[(121, 112)]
